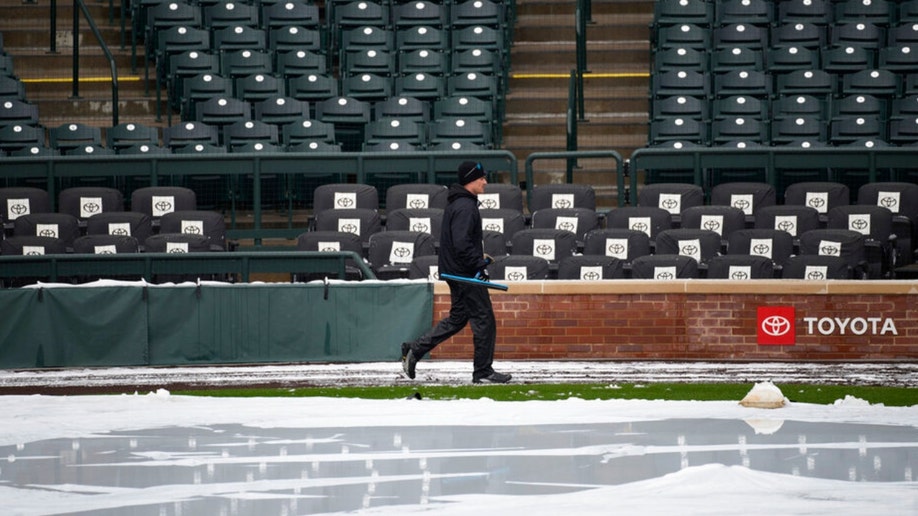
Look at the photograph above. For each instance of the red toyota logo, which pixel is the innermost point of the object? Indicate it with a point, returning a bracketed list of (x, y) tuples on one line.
[(776, 326)]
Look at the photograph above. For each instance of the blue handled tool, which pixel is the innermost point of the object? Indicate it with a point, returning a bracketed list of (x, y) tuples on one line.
[(474, 281)]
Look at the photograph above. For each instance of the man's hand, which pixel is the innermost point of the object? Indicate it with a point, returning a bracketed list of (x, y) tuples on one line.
[(483, 275)]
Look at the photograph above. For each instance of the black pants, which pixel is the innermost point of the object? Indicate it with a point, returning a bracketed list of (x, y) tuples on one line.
[(470, 304)]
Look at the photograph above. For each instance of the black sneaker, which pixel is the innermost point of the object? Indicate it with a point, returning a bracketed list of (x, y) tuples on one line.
[(408, 360), (494, 377)]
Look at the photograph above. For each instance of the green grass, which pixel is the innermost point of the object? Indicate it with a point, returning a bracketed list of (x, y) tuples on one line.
[(801, 393)]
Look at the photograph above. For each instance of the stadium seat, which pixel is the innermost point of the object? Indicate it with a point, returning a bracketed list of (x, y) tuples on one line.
[(359, 221), (343, 196), (63, 226), (280, 111), (700, 244), (330, 241), (774, 244), (434, 62), (672, 197), (578, 221), (722, 220), (156, 201), (649, 220), (425, 267), (197, 222), (128, 134), (84, 202), (408, 108), (816, 268), (392, 251), (121, 223), (793, 218), (258, 87), (71, 135), (803, 34), (845, 243), (519, 267), (590, 268), (17, 201), (500, 196), (562, 195), (664, 267), (416, 196), (505, 221), (290, 14), (821, 195), (424, 220), (747, 196), (307, 130), (740, 267)]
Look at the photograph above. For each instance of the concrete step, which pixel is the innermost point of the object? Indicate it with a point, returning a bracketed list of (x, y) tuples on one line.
[(561, 28), (598, 7)]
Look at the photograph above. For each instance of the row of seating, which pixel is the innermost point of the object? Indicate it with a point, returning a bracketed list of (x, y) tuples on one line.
[(531, 253), (343, 219), (783, 73), (358, 52), (276, 125), (770, 12), (739, 267)]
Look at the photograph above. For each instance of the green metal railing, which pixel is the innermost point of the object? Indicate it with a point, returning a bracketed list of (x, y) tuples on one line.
[(771, 160), (247, 171), (618, 168), (79, 6), (239, 266)]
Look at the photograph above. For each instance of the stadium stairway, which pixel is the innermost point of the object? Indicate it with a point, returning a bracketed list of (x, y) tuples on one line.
[(615, 89), (542, 57)]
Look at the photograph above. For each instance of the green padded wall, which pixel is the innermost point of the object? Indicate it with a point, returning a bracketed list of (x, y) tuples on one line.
[(210, 324)]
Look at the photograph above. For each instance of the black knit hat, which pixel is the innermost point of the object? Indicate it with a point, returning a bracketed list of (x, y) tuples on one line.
[(470, 171)]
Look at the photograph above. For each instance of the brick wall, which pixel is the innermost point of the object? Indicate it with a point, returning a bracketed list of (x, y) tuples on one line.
[(695, 320)]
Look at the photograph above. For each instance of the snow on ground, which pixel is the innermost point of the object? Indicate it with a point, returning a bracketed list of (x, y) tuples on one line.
[(902, 374), (722, 444), (699, 487)]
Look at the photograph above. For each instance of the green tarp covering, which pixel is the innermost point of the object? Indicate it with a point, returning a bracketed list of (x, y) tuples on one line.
[(210, 324)]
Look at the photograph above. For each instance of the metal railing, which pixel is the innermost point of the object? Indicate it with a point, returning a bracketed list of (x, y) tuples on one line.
[(771, 160), (238, 266), (618, 168), (79, 6), (248, 170)]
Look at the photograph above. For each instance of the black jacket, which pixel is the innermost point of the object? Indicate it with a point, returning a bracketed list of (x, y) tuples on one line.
[(461, 251)]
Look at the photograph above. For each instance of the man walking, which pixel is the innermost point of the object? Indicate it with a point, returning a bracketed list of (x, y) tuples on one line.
[(461, 254)]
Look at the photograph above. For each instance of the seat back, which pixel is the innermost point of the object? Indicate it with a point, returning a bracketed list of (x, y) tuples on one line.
[(774, 244), (700, 244), (416, 196), (562, 195), (624, 244), (359, 221), (515, 267), (106, 244), (87, 201), (591, 268), (197, 222), (63, 226), (664, 267), (423, 220), (344, 196), (156, 201), (16, 201), (740, 267)]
